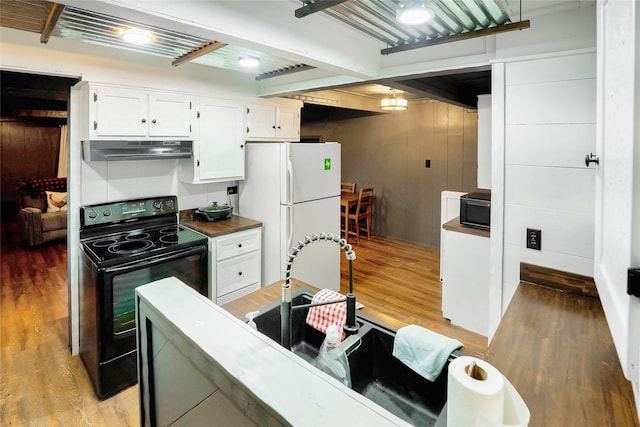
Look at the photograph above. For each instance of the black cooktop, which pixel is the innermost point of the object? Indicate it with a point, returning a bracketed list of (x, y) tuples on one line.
[(133, 245)]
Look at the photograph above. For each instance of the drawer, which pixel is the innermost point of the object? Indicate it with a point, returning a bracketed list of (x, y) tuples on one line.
[(237, 294), (237, 244), (238, 272)]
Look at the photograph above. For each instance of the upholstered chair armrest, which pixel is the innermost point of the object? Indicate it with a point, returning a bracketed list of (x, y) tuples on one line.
[(30, 225)]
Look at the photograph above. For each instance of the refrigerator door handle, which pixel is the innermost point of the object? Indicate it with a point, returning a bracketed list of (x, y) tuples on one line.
[(289, 181), (289, 229)]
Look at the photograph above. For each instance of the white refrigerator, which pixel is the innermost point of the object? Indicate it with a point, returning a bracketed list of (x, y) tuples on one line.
[(294, 190)]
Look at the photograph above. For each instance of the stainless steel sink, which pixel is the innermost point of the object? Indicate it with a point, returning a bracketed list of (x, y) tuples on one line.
[(375, 373)]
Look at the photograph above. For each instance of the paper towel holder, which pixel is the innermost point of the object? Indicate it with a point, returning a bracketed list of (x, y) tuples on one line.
[(475, 371)]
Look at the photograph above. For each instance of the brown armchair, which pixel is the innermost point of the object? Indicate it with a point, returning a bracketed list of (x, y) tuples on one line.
[(41, 220)]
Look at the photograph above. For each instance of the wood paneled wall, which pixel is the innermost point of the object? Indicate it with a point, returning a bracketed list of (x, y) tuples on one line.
[(388, 153), (27, 151)]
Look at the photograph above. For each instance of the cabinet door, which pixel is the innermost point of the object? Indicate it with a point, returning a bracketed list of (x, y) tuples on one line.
[(119, 112), (169, 115), (288, 124), (261, 121), (221, 145), (465, 281), (237, 273)]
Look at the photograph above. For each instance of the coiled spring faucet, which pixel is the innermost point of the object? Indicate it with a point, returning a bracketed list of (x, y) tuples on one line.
[(351, 326)]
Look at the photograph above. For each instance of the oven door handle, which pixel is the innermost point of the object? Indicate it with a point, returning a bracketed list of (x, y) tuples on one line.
[(155, 260)]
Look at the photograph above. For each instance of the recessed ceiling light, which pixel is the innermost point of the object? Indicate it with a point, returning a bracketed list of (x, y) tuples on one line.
[(248, 61), (414, 12), (135, 35)]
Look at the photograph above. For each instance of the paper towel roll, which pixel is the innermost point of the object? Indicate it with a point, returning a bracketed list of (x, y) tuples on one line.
[(474, 399)]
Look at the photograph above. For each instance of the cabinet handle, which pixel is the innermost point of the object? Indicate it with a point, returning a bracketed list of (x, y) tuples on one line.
[(241, 145), (239, 273), (95, 125), (153, 121), (591, 158), (247, 129), (239, 245), (279, 127), (273, 127), (144, 120)]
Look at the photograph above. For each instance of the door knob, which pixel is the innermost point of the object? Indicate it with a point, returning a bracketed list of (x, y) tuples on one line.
[(591, 158)]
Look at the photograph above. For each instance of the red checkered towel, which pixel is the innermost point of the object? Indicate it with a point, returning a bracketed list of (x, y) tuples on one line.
[(331, 314)]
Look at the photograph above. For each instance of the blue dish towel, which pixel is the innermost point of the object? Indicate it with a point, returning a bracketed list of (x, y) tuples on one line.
[(424, 351)]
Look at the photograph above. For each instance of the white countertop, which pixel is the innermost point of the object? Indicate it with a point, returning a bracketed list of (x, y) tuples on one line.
[(281, 382)]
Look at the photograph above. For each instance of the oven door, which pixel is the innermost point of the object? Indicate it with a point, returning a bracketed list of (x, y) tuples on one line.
[(117, 302)]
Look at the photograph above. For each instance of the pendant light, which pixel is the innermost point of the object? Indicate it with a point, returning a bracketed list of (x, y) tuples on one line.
[(413, 12), (394, 104)]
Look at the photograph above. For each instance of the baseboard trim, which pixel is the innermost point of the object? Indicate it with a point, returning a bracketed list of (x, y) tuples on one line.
[(559, 280)]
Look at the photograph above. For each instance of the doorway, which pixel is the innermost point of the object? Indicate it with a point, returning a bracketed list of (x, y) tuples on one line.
[(33, 113)]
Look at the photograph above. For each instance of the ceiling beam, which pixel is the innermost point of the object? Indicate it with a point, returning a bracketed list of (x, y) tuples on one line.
[(442, 92), (316, 7), (52, 20), (43, 114), (281, 72), (208, 48), (521, 25)]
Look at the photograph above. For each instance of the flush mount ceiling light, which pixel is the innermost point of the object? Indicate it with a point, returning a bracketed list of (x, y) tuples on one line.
[(413, 12), (135, 35), (248, 61), (394, 104)]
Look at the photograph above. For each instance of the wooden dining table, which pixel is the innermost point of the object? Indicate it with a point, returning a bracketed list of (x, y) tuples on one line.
[(347, 200)]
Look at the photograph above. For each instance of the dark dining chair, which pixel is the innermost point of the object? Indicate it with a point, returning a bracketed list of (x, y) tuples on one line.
[(360, 219)]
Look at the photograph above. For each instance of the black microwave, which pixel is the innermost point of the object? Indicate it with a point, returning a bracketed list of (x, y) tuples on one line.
[(475, 210)]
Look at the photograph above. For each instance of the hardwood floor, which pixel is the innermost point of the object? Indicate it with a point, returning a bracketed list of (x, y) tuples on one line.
[(41, 383), (555, 348)]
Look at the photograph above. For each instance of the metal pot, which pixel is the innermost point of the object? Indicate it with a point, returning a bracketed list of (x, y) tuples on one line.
[(215, 212)]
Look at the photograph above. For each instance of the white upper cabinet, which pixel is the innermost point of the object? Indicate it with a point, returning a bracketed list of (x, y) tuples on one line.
[(484, 141), (134, 114), (277, 120), (218, 153), (169, 114)]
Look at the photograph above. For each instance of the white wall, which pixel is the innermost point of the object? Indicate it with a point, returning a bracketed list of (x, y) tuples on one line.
[(549, 114), (617, 232)]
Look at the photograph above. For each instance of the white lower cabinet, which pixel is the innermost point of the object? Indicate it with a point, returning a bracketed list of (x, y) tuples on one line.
[(235, 265), (465, 280)]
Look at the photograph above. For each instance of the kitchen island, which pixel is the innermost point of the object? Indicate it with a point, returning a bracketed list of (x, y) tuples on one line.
[(198, 362)]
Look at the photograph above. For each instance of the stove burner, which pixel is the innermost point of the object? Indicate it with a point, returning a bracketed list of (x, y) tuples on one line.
[(170, 230), (137, 236), (130, 246), (169, 238), (104, 243)]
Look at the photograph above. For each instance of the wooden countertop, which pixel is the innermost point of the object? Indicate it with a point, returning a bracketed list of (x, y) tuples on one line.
[(454, 225), (217, 228), (262, 297)]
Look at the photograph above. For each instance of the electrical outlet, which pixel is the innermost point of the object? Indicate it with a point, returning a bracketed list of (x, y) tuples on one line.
[(534, 237), (232, 190)]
